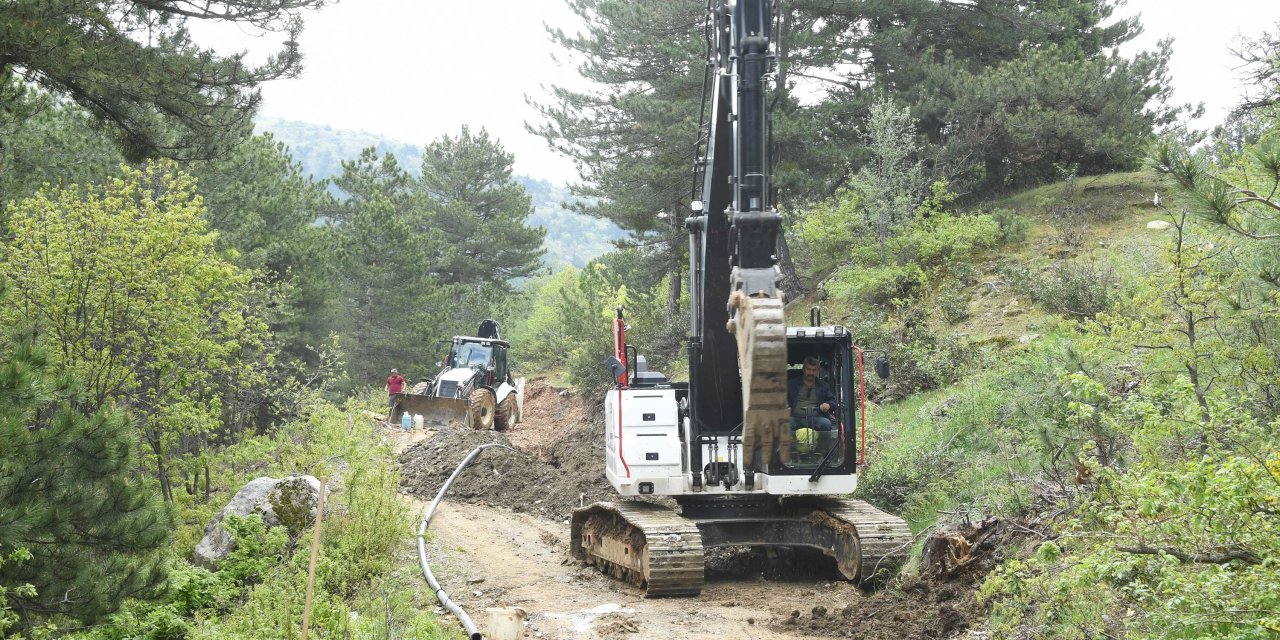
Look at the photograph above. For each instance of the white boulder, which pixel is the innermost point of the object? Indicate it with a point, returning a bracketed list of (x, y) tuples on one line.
[(289, 502)]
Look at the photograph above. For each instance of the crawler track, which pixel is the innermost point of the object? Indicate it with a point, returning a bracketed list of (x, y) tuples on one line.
[(661, 551), (885, 539), (645, 544)]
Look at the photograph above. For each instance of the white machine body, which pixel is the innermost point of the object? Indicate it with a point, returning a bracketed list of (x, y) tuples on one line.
[(646, 452)]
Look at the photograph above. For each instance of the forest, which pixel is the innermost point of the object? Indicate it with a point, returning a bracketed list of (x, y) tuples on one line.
[(1078, 293)]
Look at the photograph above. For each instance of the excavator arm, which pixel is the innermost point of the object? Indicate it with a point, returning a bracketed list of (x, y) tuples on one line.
[(739, 358)]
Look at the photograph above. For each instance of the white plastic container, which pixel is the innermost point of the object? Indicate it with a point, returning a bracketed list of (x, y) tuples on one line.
[(506, 623), (417, 422)]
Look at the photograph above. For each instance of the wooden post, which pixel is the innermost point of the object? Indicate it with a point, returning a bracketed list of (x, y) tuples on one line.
[(311, 570)]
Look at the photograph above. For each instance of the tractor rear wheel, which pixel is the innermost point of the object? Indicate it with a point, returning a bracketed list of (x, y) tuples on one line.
[(481, 409), (506, 417)]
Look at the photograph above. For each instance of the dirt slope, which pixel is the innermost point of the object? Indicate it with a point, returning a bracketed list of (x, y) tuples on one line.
[(550, 463), (500, 539)]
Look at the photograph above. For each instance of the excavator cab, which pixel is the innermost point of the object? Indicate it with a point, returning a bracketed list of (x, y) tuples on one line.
[(824, 440)]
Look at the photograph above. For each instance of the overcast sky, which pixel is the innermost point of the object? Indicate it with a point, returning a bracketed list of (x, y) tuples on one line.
[(416, 69)]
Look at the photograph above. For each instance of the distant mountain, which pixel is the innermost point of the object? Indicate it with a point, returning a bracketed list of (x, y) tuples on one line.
[(572, 238)]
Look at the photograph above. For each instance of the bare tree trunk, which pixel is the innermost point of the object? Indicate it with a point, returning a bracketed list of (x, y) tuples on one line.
[(792, 288), (673, 293), (162, 472), (675, 270)]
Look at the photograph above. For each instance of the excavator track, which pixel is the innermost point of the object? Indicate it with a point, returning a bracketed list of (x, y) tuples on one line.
[(660, 551), (885, 539), (645, 544)]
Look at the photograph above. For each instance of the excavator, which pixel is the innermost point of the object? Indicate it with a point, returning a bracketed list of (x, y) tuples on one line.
[(722, 445)]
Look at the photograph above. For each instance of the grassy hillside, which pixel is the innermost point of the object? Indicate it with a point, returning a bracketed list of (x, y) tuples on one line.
[(943, 453), (1049, 378)]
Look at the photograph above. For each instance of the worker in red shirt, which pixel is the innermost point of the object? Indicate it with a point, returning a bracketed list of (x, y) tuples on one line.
[(395, 384)]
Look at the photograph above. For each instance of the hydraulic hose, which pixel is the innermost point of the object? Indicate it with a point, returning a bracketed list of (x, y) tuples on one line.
[(467, 624)]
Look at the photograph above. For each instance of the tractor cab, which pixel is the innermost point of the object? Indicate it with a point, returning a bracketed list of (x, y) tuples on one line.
[(484, 355)]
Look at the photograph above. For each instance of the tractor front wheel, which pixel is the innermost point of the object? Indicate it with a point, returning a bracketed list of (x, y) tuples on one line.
[(481, 409)]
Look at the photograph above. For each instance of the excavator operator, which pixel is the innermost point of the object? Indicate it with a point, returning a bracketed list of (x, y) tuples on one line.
[(810, 399)]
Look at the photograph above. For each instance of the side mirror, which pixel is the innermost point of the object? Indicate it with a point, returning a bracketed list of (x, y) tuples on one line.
[(615, 366), (882, 367)]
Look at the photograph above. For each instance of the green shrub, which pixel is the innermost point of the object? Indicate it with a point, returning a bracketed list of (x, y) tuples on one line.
[(257, 549), (1014, 228), (900, 267), (1072, 223), (8, 618), (920, 359), (924, 360), (954, 305), (1071, 288), (1143, 556), (876, 285), (941, 240), (543, 338), (828, 232)]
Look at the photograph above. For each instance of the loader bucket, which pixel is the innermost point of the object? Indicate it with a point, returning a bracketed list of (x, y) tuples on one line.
[(435, 412)]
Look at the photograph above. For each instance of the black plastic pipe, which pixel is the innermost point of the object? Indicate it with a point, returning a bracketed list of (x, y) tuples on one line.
[(467, 624)]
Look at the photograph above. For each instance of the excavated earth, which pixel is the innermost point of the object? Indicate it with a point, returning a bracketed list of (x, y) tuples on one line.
[(550, 464), (500, 539)]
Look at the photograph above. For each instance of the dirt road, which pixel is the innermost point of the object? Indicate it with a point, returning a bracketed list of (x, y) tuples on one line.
[(491, 557), (502, 541)]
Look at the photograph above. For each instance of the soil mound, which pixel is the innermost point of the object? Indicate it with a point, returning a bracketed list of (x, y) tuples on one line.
[(553, 460), (939, 603)]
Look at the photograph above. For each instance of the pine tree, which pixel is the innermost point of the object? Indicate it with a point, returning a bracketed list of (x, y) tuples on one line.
[(468, 189), (69, 495), (632, 135), (390, 302), (134, 67), (266, 209)]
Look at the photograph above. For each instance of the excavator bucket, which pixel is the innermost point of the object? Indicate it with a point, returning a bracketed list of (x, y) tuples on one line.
[(436, 412)]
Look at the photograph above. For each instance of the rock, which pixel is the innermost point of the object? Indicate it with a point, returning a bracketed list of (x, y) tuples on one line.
[(293, 502), (1027, 338), (288, 502), (944, 409), (1159, 225)]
